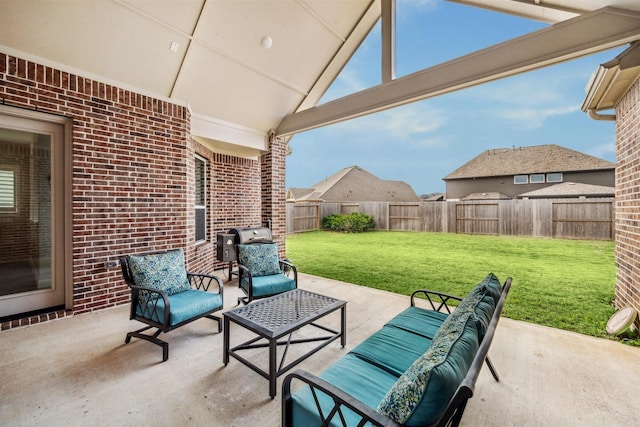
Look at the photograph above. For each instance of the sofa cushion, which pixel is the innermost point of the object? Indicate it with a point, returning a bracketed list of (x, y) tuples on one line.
[(268, 285), (482, 300), (260, 258), (164, 272), (421, 394), (356, 377), (392, 349), (419, 321)]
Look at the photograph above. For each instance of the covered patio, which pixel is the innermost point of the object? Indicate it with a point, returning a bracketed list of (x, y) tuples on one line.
[(82, 373), (187, 109)]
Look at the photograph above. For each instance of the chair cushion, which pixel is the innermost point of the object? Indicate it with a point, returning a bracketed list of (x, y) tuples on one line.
[(421, 394), (268, 285), (185, 305), (164, 272), (260, 258)]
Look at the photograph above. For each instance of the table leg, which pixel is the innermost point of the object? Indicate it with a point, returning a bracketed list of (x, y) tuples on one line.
[(273, 346), (343, 325), (225, 355)]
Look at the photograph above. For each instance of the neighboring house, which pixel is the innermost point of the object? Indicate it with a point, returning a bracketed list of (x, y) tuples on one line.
[(433, 197), (354, 184), (509, 172)]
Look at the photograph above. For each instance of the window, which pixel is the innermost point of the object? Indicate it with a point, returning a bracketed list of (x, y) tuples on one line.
[(8, 190), (201, 198), (521, 179), (554, 177), (537, 178)]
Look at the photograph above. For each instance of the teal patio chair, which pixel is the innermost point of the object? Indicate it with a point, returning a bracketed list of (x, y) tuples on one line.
[(165, 296), (261, 273)]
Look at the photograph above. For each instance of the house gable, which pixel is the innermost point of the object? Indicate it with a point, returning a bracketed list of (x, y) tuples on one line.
[(354, 184)]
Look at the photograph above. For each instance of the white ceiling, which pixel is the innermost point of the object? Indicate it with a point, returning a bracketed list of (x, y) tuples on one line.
[(220, 68), (237, 89)]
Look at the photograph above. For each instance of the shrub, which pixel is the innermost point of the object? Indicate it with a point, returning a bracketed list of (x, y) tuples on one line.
[(355, 222)]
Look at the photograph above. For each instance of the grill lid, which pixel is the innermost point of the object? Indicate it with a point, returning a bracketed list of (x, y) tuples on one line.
[(252, 235)]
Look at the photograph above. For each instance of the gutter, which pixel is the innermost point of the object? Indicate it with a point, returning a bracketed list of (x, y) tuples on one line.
[(610, 82), (591, 112)]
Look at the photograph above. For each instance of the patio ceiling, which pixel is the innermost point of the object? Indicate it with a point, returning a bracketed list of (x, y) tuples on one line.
[(246, 68)]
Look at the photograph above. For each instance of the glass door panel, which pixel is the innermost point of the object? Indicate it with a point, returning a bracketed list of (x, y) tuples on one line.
[(28, 151)]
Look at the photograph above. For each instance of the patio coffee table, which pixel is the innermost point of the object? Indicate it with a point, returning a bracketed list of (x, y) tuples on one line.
[(277, 316)]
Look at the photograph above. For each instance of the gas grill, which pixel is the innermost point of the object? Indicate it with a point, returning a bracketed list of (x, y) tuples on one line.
[(226, 243)]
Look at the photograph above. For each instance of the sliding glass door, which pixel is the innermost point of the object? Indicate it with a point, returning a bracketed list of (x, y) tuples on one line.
[(32, 244)]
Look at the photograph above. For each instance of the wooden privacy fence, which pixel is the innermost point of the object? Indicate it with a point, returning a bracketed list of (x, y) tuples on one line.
[(590, 219)]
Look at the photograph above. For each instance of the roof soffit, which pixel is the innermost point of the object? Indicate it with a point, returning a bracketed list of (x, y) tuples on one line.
[(610, 82)]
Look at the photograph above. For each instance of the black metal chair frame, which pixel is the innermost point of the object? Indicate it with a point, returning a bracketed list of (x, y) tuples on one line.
[(455, 407), (151, 297), (285, 265)]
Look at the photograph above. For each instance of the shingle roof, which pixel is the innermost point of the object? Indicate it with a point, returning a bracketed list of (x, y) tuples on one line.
[(356, 184), (528, 160), (571, 189), (296, 193), (494, 195)]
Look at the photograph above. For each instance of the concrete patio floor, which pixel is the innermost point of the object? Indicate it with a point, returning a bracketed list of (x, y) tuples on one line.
[(77, 371)]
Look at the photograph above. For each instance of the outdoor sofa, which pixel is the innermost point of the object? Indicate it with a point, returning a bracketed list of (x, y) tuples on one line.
[(419, 369)]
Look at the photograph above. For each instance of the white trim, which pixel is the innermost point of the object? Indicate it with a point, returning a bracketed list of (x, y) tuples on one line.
[(198, 207)]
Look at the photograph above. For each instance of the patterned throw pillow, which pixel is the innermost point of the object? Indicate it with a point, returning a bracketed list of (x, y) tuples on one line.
[(421, 393), (164, 272), (260, 258)]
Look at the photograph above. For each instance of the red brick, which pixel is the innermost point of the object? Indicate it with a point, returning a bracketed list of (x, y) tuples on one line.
[(132, 178)]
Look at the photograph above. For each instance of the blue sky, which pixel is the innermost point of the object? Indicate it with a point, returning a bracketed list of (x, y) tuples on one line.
[(422, 142)]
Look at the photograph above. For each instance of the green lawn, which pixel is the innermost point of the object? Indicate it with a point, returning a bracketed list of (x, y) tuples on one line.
[(566, 284)]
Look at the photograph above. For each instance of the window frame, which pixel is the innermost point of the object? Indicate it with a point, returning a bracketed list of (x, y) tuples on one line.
[(555, 173), (515, 179), (15, 170), (537, 176), (200, 198)]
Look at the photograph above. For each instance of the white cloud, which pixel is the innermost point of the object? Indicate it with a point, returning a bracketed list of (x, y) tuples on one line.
[(406, 122), (350, 81), (533, 118), (606, 150)]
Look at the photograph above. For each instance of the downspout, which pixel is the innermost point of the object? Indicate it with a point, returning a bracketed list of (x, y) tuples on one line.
[(596, 116)]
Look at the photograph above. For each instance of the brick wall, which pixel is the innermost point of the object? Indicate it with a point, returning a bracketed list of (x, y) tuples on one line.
[(274, 209), (628, 199), (133, 174)]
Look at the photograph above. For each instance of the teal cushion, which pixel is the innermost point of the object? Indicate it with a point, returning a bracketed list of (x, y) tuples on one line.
[(184, 306), (268, 285), (482, 300), (392, 349), (363, 381), (164, 272), (260, 258), (419, 321), (492, 284), (421, 394)]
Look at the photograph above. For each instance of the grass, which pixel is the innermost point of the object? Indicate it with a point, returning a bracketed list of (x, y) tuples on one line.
[(565, 284)]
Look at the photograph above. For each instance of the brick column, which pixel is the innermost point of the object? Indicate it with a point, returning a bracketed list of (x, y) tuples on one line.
[(628, 199), (273, 164)]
